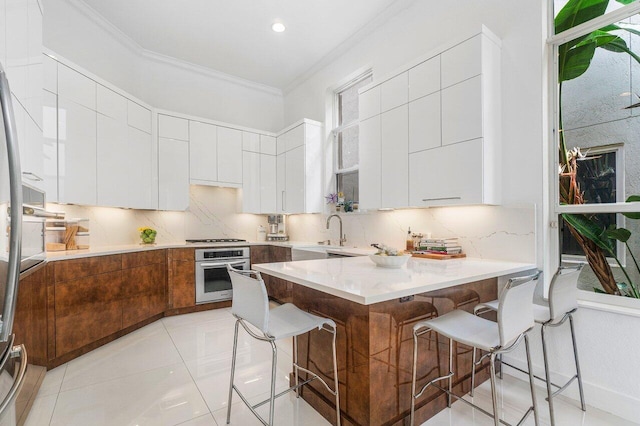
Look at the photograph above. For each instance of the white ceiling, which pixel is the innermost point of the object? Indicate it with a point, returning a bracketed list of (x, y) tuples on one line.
[(235, 36)]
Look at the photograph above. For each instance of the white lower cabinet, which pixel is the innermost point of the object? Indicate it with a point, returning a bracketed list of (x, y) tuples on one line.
[(173, 174), (251, 182), (76, 153), (449, 175), (370, 162), (394, 170)]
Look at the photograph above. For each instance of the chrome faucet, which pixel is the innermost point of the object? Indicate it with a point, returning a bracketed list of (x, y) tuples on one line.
[(343, 238)]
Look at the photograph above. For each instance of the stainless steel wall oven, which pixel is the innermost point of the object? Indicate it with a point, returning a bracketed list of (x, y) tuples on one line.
[(212, 279)]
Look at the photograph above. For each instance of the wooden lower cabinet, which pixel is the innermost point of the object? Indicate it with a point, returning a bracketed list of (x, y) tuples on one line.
[(182, 278), (143, 286)]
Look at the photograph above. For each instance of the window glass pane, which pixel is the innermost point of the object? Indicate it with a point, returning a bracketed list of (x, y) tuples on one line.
[(599, 105), (348, 185), (613, 5), (348, 147), (348, 102), (569, 244)]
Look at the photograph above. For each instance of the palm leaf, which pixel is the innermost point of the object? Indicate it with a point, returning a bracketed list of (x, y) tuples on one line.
[(633, 215), (589, 229)]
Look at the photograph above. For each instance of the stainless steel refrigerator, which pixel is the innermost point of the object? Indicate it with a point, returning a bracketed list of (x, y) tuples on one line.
[(13, 259)]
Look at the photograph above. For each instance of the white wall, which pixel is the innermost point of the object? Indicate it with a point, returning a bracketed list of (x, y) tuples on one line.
[(610, 384), (75, 33)]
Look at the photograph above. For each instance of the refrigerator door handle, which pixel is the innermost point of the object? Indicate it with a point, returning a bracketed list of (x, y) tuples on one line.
[(15, 189), (16, 351)]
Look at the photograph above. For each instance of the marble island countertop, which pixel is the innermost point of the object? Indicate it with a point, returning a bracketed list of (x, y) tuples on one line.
[(358, 279)]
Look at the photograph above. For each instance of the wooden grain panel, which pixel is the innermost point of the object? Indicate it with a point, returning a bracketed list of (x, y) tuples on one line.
[(279, 254), (51, 312), (30, 323), (182, 254), (142, 293), (182, 284), (67, 270), (87, 309), (278, 289), (260, 254), (141, 258)]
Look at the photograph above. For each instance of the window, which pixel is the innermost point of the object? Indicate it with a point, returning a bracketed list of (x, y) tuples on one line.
[(346, 136), (596, 148)]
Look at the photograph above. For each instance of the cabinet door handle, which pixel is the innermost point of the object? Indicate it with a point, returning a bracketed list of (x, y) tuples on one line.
[(32, 176), (283, 209), (441, 198)]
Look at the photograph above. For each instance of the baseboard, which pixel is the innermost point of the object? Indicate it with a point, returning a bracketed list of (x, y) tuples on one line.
[(607, 400)]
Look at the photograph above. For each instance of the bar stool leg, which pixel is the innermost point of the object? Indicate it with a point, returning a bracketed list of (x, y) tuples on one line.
[(575, 355), (274, 362), (450, 372), (547, 375), (473, 372), (531, 380), (413, 381), (335, 377), (494, 393), (233, 370), (295, 365)]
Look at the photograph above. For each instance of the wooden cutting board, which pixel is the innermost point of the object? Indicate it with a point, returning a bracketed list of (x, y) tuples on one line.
[(438, 256)]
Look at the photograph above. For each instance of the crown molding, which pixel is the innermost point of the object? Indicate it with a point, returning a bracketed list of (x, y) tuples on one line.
[(147, 54), (392, 10)]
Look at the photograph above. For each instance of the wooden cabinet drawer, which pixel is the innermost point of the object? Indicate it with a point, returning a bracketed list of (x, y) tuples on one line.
[(141, 258), (77, 268)]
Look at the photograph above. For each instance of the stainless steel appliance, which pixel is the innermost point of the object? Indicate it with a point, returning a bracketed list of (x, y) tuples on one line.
[(215, 240), (212, 279), (277, 228), (13, 359)]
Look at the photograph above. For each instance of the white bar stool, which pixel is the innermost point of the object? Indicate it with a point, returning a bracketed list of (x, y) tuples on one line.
[(552, 312), (515, 320), (251, 305)]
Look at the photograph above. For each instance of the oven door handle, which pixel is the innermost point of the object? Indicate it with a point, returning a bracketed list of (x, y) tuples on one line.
[(219, 265)]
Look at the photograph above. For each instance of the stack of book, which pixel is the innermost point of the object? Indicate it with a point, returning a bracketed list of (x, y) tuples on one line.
[(440, 245)]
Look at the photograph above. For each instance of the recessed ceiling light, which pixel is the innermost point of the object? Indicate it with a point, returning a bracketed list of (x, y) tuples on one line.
[(278, 27)]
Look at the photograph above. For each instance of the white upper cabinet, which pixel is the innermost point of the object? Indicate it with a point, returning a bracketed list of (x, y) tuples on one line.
[(394, 92), (230, 155), (258, 173), (138, 116), (299, 169), (369, 103), (50, 74), (76, 87), (443, 147), (173, 127), (50, 145), (267, 145), (111, 104), (424, 79), (394, 158), (268, 183), (113, 156), (173, 174), (203, 152), (251, 182), (140, 169), (250, 142)]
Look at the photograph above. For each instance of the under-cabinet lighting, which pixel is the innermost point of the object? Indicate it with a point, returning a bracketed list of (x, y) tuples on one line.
[(278, 27)]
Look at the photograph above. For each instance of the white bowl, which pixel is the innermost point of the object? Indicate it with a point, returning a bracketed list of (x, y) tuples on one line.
[(394, 262)]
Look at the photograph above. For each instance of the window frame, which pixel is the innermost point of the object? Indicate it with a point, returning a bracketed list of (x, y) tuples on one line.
[(336, 131), (555, 209)]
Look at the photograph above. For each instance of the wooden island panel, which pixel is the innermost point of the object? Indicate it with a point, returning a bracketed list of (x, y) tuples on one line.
[(375, 354)]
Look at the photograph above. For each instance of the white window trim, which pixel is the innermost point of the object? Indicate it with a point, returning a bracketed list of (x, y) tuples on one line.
[(610, 303)]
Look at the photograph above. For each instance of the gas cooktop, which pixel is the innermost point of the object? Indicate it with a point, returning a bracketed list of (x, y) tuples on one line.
[(216, 240)]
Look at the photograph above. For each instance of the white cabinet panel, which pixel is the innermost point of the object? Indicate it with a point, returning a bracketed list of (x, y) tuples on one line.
[(394, 154), (295, 180), (456, 175), (173, 174), (76, 87), (370, 163), (173, 127), (76, 153), (369, 103), (424, 79), (50, 145), (111, 104), (17, 33), (462, 62), (394, 92), (138, 116), (229, 155), (35, 67), (140, 166), (424, 123), (203, 153), (280, 183), (113, 162), (294, 138), (50, 73), (267, 145), (250, 182), (462, 111), (268, 184), (250, 142)]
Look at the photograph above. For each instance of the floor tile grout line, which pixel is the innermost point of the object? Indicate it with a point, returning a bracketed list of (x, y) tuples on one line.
[(55, 404)]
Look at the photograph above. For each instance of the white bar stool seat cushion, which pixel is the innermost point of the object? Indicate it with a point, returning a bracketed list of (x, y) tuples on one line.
[(541, 313), (466, 328), (287, 320)]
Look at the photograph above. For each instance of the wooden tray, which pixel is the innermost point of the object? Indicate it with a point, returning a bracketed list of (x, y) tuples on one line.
[(439, 256)]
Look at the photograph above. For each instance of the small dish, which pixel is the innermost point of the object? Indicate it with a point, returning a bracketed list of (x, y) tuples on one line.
[(393, 262)]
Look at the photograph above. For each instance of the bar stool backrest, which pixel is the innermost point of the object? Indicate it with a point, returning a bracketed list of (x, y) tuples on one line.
[(515, 308), (250, 300), (563, 292)]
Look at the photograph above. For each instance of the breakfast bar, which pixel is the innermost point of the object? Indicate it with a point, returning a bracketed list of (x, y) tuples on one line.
[(375, 309)]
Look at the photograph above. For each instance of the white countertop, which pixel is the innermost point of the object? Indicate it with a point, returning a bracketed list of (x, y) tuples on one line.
[(358, 279)]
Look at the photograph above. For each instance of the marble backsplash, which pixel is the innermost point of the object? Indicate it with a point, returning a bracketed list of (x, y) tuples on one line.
[(502, 232)]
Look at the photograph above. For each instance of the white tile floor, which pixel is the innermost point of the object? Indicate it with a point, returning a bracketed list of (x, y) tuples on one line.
[(176, 372)]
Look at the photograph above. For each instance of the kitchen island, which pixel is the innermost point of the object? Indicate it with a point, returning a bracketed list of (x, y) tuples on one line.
[(375, 310)]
